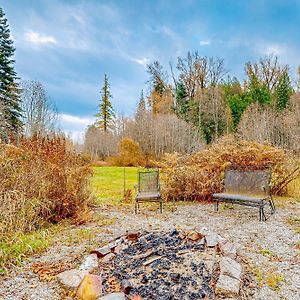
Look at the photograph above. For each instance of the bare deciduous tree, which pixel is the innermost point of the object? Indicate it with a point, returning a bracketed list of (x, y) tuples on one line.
[(39, 112), (266, 125), (200, 72), (156, 135), (100, 144), (267, 71)]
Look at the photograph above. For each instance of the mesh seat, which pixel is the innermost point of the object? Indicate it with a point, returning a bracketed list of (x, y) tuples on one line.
[(148, 189), (148, 195)]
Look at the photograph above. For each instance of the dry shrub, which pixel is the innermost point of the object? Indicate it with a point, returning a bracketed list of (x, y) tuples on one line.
[(130, 153), (53, 182), (17, 213), (197, 176)]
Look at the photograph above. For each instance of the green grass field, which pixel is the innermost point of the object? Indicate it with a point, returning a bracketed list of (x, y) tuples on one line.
[(108, 183)]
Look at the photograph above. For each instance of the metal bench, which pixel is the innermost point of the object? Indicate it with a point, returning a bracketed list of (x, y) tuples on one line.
[(148, 189), (247, 186)]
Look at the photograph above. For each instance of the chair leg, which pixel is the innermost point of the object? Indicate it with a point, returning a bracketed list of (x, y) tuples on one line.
[(216, 206), (263, 214), (161, 206), (260, 214), (135, 208), (272, 204)]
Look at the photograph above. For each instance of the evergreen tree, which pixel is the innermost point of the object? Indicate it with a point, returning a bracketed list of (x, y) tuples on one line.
[(141, 108), (182, 101), (237, 100), (283, 91), (106, 113), (9, 91), (258, 91)]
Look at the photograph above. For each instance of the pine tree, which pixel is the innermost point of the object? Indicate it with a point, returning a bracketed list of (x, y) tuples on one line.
[(106, 113), (9, 90), (141, 108), (283, 91), (182, 101)]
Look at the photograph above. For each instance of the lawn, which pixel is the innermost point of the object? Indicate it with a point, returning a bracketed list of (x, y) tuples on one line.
[(108, 183)]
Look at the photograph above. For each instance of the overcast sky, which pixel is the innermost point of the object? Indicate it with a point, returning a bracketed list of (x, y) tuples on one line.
[(68, 45)]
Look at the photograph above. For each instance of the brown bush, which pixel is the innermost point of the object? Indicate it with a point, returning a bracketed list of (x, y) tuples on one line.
[(52, 180), (197, 176), (130, 153)]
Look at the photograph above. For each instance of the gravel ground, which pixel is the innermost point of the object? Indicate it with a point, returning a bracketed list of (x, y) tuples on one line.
[(269, 247)]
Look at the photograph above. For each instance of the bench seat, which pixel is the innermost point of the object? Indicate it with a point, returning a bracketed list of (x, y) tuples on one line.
[(240, 197)]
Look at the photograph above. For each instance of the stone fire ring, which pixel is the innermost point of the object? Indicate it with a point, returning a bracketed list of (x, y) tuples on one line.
[(159, 265)]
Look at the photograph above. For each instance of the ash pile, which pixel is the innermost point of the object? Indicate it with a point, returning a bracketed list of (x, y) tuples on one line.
[(167, 265)]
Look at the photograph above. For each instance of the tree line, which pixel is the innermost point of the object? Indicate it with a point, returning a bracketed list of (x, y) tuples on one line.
[(197, 102), (190, 104)]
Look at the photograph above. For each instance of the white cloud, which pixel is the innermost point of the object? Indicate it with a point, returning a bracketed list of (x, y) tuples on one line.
[(273, 49), (39, 39), (75, 120), (205, 42), (142, 61), (75, 126)]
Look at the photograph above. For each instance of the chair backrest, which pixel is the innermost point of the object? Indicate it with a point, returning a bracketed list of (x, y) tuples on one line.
[(148, 181), (247, 180)]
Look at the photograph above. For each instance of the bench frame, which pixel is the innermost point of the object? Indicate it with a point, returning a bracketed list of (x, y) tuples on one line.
[(152, 193), (237, 197)]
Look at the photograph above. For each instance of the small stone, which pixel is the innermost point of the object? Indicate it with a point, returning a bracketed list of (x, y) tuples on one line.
[(90, 288), (194, 236), (182, 235), (89, 263), (132, 236), (230, 267), (71, 278), (117, 249), (101, 252), (212, 240), (227, 248), (126, 286), (113, 296), (204, 231), (107, 258), (202, 241), (227, 286)]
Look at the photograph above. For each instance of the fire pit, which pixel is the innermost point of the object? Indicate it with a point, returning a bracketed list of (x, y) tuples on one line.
[(167, 265), (183, 265)]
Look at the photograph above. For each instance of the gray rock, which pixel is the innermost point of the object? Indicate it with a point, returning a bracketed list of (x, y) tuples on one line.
[(227, 248), (71, 278), (113, 296), (107, 258), (227, 286), (89, 263), (204, 231), (202, 241), (212, 240), (230, 267)]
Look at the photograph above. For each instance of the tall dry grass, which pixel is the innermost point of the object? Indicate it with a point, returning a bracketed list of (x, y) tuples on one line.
[(41, 181), (197, 176)]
